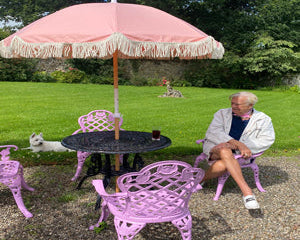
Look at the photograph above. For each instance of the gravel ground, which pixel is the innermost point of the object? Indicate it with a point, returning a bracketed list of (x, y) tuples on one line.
[(61, 212)]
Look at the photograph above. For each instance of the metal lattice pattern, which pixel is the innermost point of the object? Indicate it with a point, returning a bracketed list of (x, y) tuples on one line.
[(11, 175), (98, 120), (160, 192)]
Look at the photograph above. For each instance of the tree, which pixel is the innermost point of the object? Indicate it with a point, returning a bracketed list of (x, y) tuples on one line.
[(27, 11), (4, 33), (260, 39), (270, 59), (260, 36), (280, 19)]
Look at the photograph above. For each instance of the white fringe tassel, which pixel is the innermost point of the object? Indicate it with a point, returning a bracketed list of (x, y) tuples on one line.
[(207, 48)]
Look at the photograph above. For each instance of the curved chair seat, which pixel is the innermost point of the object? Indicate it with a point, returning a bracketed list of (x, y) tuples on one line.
[(146, 214)]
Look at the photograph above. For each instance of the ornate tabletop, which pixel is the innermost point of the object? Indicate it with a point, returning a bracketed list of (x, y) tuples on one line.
[(104, 142)]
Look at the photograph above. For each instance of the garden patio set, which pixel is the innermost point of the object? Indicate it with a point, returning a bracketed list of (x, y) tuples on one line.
[(159, 192)]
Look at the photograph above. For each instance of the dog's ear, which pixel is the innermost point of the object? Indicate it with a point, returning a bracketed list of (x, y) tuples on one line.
[(32, 135), (41, 134)]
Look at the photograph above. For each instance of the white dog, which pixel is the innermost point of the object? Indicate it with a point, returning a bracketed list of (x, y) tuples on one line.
[(38, 144)]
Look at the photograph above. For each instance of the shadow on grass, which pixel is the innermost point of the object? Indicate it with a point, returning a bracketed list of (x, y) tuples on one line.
[(28, 158)]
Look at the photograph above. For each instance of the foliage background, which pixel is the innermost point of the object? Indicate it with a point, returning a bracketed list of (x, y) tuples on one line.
[(260, 37)]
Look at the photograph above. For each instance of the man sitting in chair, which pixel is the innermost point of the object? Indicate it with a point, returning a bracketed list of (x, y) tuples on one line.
[(241, 130)]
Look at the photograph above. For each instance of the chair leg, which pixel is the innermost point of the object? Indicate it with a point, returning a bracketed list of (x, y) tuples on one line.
[(16, 191), (23, 183), (199, 159), (81, 156), (184, 225), (15, 184), (103, 217), (256, 177), (106, 181), (221, 181), (127, 230)]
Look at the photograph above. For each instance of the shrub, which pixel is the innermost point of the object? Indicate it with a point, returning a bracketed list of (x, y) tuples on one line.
[(94, 79), (295, 88), (42, 77), (75, 76), (137, 80), (181, 83), (100, 79), (59, 76), (17, 70), (153, 82), (72, 76)]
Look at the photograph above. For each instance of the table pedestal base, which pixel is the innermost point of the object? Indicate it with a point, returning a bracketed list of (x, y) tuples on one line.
[(108, 170)]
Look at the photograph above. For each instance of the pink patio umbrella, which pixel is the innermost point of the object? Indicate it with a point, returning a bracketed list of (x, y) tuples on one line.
[(106, 30)]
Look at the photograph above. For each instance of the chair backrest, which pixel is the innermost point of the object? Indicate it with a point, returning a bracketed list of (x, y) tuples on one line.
[(6, 151), (8, 168), (160, 189), (98, 120)]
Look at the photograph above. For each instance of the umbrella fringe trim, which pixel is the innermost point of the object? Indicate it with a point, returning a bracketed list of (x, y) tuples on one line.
[(205, 48)]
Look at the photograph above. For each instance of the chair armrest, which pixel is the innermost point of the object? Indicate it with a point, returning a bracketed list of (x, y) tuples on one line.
[(200, 141), (253, 156), (99, 186), (10, 146), (6, 151), (116, 202)]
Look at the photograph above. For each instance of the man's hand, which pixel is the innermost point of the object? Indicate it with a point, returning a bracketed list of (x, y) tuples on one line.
[(224, 145), (244, 150)]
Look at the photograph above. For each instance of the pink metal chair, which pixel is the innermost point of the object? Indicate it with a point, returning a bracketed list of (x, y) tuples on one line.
[(11, 175), (244, 163), (159, 192), (98, 120)]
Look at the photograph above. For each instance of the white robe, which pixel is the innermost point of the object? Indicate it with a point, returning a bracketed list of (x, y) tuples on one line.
[(258, 135)]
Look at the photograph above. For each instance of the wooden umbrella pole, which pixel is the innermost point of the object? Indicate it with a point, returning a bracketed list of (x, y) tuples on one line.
[(116, 94), (117, 114)]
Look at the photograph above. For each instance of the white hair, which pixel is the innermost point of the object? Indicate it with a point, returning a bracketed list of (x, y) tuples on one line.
[(251, 98)]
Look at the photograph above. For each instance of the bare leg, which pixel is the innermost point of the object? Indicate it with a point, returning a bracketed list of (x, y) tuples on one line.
[(225, 161), (215, 170)]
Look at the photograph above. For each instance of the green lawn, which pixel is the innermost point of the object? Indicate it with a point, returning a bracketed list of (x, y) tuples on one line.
[(53, 109)]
